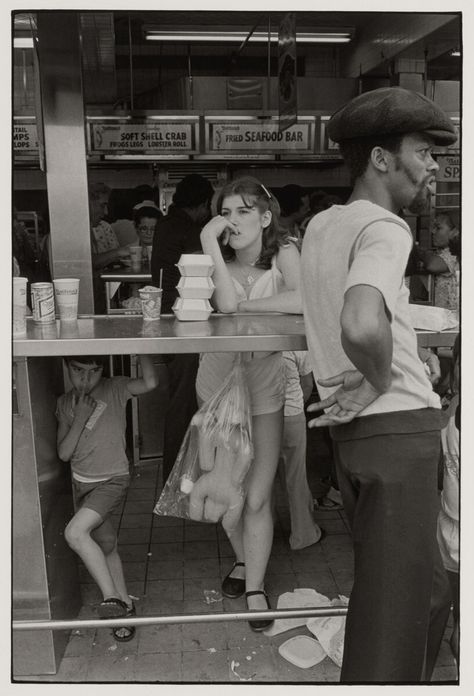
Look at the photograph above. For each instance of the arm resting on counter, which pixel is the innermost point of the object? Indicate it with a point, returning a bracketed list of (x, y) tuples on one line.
[(366, 335)]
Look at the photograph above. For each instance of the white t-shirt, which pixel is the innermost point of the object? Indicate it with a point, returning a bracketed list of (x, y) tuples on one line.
[(361, 244)]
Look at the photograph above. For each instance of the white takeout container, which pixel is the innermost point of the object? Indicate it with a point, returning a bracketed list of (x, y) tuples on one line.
[(302, 651), (196, 287), (195, 265), (187, 309)]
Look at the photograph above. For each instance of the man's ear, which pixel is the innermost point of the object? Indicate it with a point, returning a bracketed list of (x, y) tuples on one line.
[(380, 158), (266, 218)]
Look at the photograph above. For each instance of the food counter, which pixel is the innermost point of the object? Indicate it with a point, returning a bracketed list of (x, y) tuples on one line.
[(114, 278), (45, 579), (128, 334)]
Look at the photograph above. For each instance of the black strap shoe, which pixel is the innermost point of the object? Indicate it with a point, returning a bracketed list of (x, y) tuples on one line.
[(260, 624), (233, 587)]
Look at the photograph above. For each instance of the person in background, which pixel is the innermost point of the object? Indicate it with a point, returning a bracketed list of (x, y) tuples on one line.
[(104, 243), (294, 207), (442, 261), (105, 248), (448, 519), (122, 208), (145, 217), (256, 270), (91, 436), (384, 416), (179, 233), (299, 384)]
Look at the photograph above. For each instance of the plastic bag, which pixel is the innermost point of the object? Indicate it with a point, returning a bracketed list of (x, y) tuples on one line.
[(207, 482)]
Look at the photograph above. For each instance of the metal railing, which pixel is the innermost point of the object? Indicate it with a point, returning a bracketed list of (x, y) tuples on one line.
[(138, 621)]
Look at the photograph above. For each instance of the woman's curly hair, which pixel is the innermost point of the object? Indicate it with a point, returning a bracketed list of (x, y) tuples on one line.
[(253, 193)]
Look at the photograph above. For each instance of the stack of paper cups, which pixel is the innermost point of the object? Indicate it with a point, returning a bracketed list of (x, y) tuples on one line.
[(195, 287)]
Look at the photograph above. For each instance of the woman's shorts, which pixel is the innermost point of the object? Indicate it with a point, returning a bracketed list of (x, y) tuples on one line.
[(101, 496), (264, 376)]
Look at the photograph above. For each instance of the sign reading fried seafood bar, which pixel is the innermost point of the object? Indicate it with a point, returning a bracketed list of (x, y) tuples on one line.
[(152, 136), (242, 134)]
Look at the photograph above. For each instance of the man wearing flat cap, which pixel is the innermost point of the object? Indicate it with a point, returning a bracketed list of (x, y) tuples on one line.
[(383, 415)]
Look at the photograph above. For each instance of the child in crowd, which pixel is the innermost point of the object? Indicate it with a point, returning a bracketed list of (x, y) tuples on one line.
[(299, 383), (443, 262), (448, 520), (91, 436)]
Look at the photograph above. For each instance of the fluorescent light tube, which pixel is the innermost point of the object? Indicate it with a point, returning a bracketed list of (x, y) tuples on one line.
[(23, 42), (239, 36)]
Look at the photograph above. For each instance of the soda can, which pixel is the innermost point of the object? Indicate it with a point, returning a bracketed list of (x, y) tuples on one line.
[(42, 303)]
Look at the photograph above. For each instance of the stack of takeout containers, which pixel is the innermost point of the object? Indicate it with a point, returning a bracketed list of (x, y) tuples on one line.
[(195, 287)]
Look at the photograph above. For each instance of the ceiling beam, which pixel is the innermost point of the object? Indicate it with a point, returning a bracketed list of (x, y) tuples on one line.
[(385, 37)]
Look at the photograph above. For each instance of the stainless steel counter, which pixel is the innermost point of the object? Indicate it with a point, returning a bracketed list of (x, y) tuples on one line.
[(121, 335)]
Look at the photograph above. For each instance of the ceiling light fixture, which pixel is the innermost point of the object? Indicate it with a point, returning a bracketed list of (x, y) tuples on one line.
[(23, 42), (455, 53), (322, 36)]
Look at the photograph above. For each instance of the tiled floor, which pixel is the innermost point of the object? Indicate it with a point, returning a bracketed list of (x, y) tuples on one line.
[(169, 565)]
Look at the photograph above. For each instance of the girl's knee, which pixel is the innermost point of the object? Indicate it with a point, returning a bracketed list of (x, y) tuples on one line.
[(257, 503)]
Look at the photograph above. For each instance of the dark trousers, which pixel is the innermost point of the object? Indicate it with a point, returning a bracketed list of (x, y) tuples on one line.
[(400, 600), (182, 371)]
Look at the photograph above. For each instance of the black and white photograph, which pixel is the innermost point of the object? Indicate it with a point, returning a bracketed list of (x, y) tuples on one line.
[(234, 408)]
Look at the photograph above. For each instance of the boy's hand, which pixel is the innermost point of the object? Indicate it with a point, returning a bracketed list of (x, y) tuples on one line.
[(354, 394), (85, 407)]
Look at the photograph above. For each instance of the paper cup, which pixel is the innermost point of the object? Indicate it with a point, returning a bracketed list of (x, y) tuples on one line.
[(151, 302), (19, 306), (136, 257), (66, 291)]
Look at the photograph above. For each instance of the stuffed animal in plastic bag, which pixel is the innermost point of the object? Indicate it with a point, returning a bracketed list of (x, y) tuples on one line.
[(207, 479), (218, 493)]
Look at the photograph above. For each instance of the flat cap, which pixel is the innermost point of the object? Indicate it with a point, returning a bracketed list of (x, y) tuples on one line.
[(391, 111)]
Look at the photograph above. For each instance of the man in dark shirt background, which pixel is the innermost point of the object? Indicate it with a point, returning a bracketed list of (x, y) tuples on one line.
[(179, 233)]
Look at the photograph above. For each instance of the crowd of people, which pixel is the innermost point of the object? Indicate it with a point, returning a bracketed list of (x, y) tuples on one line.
[(375, 397)]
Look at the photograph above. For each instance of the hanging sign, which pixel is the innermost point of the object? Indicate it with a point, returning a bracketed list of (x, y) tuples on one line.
[(254, 135), (25, 138), (143, 138), (449, 168), (287, 103)]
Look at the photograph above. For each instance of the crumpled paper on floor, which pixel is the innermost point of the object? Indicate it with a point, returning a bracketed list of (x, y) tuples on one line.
[(329, 630), (300, 598)]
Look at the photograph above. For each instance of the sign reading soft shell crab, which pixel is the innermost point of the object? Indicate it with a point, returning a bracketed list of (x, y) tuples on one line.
[(150, 138), (259, 136)]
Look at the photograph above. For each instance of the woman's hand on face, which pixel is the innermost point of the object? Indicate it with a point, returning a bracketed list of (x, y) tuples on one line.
[(218, 226)]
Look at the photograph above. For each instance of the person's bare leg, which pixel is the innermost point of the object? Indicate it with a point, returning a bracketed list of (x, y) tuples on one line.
[(78, 536), (106, 538), (237, 543), (257, 516)]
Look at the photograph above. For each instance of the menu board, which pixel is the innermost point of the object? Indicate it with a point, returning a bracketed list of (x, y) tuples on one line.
[(25, 138), (148, 137), (255, 135)]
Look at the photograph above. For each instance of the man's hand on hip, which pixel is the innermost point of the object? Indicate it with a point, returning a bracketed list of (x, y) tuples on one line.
[(353, 396)]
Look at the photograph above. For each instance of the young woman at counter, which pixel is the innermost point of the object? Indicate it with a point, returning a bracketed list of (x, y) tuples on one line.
[(256, 270)]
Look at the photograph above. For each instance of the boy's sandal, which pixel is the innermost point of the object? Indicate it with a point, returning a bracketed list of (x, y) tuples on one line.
[(112, 608), (123, 634), (233, 587)]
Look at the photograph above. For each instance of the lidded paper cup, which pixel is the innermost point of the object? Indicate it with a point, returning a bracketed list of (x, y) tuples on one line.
[(151, 302), (66, 291), (19, 306)]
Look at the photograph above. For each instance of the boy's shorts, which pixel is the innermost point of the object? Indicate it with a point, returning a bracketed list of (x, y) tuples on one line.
[(101, 496)]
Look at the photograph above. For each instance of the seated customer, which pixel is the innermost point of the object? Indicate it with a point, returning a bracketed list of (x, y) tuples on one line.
[(91, 436), (443, 262)]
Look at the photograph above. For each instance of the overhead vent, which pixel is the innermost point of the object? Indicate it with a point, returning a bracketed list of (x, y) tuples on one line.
[(176, 172), (98, 57)]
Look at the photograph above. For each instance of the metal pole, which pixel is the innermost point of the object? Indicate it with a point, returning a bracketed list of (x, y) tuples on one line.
[(269, 45), (138, 621), (130, 49)]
